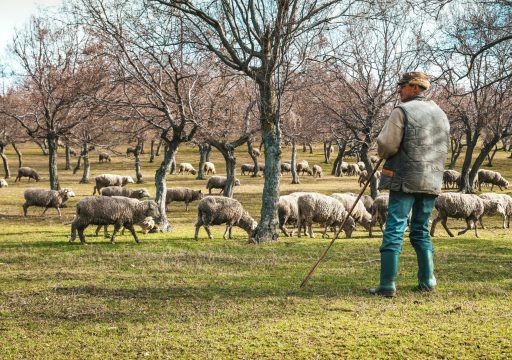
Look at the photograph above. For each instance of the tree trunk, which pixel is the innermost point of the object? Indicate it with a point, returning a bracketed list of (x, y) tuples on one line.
[(208, 152), (374, 184), (310, 148), (141, 144), (68, 158), (465, 185), (203, 149), (172, 168), (271, 134), (230, 159), (87, 166), (138, 173), (159, 147), (42, 145), (52, 162), (152, 152), (295, 174), (18, 152), (250, 150), (7, 171), (161, 187), (456, 146), (78, 164), (336, 167), (327, 152), (304, 147), (490, 156)]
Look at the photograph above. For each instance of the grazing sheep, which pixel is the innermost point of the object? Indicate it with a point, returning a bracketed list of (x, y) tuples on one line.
[(451, 179), (209, 168), (218, 182), (246, 169), (315, 207), (147, 225), (286, 168), (361, 165), (367, 201), (46, 198), (105, 180), (360, 214), (288, 212), (353, 170), (28, 172), (459, 206), (303, 167), (122, 191), (317, 171), (379, 211), (3, 183), (131, 150), (491, 177), (491, 207), (185, 195), (217, 210), (364, 176), (116, 210), (105, 157), (186, 168)]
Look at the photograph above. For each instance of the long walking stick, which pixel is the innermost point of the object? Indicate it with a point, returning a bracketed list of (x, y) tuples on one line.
[(306, 279)]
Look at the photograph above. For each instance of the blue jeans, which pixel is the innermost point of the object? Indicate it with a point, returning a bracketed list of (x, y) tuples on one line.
[(400, 204)]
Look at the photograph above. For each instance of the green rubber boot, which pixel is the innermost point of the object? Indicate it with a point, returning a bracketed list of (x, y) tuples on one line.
[(388, 272), (426, 279)]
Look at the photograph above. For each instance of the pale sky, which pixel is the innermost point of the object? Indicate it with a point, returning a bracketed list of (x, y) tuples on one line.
[(14, 13)]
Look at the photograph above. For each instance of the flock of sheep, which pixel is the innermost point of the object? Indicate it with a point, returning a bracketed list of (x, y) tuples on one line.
[(124, 207)]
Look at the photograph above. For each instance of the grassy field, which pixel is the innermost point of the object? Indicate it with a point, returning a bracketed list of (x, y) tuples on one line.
[(172, 297)]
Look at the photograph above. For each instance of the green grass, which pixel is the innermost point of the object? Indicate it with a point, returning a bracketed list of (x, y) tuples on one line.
[(172, 297)]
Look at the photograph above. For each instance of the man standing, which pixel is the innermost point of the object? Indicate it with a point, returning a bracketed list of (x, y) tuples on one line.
[(414, 141)]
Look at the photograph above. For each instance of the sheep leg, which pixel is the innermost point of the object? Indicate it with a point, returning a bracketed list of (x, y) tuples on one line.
[(207, 228), (476, 231), (225, 232), (504, 217), (468, 226), (283, 229), (186, 205), (445, 225), (230, 229), (310, 228), (58, 210), (81, 234), (122, 230), (324, 235), (116, 229), (25, 209), (299, 226), (132, 230), (196, 233), (481, 221)]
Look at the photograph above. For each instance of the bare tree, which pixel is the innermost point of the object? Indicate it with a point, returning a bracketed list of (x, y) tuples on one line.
[(261, 39)]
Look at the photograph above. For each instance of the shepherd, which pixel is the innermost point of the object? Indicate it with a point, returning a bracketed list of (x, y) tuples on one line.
[(414, 141)]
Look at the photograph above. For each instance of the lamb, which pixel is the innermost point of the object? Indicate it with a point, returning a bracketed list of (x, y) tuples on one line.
[(288, 211), (451, 179), (360, 214), (28, 172), (317, 171), (379, 211), (217, 210), (315, 207), (218, 182), (105, 180), (209, 167), (496, 204), (3, 183), (491, 177), (116, 210), (46, 198), (460, 206), (303, 166), (185, 195), (122, 191), (186, 168), (364, 176), (103, 157), (286, 168)]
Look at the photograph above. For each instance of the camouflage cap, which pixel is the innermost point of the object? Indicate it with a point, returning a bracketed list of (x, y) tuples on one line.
[(415, 78)]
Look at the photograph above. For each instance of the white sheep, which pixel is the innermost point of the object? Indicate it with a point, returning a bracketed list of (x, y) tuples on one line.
[(186, 168), (104, 157), (218, 182), (491, 208), (451, 179), (122, 191), (323, 209), (116, 210), (379, 212), (492, 178), (459, 206), (3, 183), (217, 210), (288, 212), (360, 214), (105, 180), (317, 171), (27, 172), (185, 195), (209, 168), (46, 198)]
